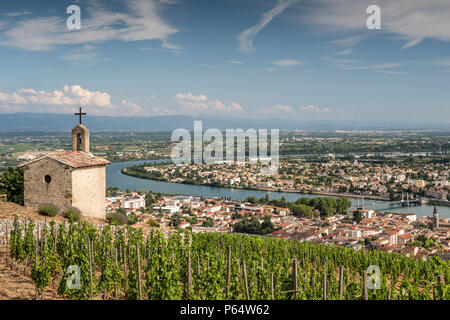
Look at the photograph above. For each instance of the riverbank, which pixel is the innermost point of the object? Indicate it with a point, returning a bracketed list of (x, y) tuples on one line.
[(305, 192)]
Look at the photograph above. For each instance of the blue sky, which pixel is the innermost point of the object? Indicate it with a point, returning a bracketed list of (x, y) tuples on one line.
[(304, 60)]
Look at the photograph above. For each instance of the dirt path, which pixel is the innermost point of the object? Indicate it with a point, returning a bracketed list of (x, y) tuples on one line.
[(17, 285)]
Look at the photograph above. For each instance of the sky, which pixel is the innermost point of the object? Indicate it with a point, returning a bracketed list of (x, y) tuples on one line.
[(262, 59)]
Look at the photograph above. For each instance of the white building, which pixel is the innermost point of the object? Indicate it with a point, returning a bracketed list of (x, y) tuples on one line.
[(133, 202), (167, 209)]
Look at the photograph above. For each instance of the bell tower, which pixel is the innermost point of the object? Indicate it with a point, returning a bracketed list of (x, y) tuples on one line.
[(80, 136), (435, 219)]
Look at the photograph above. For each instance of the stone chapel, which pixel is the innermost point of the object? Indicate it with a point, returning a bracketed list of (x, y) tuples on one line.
[(67, 179)]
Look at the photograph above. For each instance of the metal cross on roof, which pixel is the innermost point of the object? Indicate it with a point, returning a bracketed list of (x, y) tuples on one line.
[(80, 114)]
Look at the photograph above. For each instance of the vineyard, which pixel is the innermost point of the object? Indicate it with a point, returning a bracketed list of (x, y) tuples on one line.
[(84, 261)]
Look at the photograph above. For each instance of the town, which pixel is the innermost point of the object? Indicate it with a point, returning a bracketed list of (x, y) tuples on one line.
[(358, 228), (360, 177)]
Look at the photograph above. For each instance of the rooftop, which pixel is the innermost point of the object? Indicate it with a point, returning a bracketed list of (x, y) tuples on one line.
[(75, 159)]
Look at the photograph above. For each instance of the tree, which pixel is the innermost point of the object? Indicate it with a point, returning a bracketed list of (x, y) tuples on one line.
[(11, 183), (149, 200), (208, 223), (132, 218), (152, 223), (358, 216), (301, 210), (192, 220), (175, 220), (267, 225)]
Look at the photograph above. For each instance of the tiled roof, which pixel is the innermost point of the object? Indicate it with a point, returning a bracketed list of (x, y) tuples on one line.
[(75, 159)]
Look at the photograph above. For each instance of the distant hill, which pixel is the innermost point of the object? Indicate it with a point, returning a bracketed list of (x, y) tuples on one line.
[(21, 122)]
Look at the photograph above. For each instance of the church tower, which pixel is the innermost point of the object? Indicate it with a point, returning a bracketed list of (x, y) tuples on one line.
[(80, 136), (435, 218), (68, 179)]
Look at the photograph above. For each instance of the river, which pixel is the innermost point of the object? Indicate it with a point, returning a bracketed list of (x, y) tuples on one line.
[(114, 178)]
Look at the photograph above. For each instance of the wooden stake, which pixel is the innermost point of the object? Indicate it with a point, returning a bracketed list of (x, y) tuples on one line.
[(341, 282), (125, 267), (294, 265), (366, 297), (35, 261), (325, 287), (139, 271), (247, 295), (198, 273), (228, 271), (389, 294), (271, 286), (189, 277), (56, 237), (91, 294), (117, 265)]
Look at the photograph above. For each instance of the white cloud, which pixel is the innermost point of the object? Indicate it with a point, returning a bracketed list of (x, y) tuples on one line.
[(246, 37), (283, 64), (17, 14), (208, 66), (87, 55), (201, 104), (277, 109), (313, 108), (412, 20), (64, 101), (344, 52), (368, 67), (235, 62), (141, 22), (392, 72), (191, 97), (133, 107), (270, 69), (346, 42), (288, 63)]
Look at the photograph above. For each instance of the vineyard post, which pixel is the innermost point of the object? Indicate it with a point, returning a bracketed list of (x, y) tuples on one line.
[(35, 261), (6, 245), (325, 286), (125, 267), (139, 270), (45, 234), (341, 282), (42, 238), (441, 282), (294, 265), (228, 271), (271, 286), (117, 266), (198, 273), (56, 237), (389, 293), (366, 297), (90, 265), (247, 295), (189, 276)]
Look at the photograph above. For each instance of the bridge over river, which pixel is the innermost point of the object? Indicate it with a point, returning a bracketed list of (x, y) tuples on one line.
[(386, 206)]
